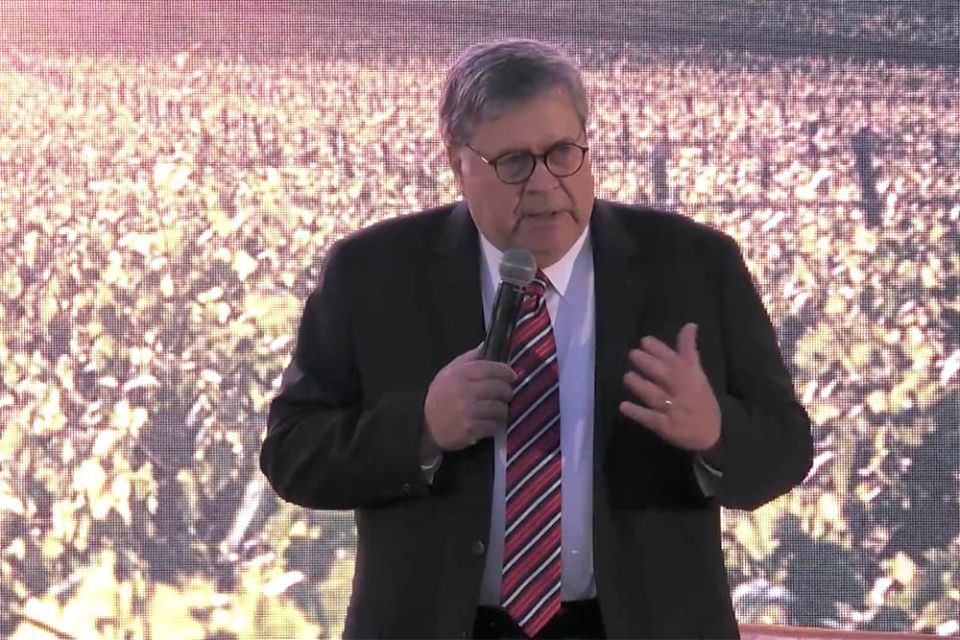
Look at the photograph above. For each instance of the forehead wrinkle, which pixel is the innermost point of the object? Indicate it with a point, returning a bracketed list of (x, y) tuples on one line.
[(537, 149)]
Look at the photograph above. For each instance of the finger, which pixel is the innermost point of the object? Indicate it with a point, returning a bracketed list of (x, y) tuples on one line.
[(470, 355), (687, 344), (652, 395), (658, 348), (487, 370), (481, 429), (653, 420), (653, 368), (491, 410), (499, 390)]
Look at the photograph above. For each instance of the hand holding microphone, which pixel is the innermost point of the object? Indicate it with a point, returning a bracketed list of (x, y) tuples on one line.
[(467, 400)]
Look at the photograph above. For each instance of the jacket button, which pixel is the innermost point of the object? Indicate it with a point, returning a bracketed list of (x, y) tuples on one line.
[(477, 548), (406, 488)]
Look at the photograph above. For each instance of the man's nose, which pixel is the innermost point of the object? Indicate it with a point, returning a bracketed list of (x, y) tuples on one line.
[(541, 179)]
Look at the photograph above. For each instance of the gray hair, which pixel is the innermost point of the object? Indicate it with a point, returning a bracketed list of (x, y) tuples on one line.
[(489, 78)]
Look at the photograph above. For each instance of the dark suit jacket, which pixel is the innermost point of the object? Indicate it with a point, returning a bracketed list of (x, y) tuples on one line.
[(401, 299)]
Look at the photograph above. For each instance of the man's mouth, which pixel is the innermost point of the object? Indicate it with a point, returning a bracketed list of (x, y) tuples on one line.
[(542, 215)]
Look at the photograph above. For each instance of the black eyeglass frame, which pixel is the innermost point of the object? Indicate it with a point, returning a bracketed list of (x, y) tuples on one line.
[(541, 157)]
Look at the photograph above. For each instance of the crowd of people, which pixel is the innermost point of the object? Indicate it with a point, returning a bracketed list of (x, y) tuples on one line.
[(162, 215)]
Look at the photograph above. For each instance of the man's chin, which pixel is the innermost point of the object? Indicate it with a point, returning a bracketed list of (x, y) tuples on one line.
[(548, 250)]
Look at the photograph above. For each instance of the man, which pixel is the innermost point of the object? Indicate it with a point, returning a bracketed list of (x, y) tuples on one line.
[(574, 492)]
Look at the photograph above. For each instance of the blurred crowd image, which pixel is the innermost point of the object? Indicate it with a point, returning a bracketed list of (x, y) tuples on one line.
[(164, 213)]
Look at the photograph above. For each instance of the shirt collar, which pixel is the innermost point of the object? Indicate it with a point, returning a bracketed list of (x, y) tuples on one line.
[(559, 272)]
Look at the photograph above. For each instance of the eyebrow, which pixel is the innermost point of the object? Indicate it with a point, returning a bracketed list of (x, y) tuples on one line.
[(564, 140)]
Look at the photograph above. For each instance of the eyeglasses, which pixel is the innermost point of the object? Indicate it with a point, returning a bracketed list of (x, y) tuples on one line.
[(562, 160)]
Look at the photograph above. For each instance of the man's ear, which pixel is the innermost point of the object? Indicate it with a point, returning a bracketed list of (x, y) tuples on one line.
[(455, 162)]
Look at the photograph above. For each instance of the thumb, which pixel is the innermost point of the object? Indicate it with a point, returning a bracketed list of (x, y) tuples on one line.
[(473, 354), (687, 344)]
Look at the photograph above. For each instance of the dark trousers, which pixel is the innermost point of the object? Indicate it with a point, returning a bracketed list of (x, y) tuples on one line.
[(577, 619)]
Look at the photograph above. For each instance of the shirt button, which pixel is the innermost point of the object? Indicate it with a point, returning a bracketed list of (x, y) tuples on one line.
[(406, 488), (478, 547)]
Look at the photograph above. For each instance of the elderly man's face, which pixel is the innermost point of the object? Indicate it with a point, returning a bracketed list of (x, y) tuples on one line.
[(545, 214)]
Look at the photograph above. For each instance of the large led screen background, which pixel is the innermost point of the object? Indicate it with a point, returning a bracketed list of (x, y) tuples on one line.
[(172, 174)]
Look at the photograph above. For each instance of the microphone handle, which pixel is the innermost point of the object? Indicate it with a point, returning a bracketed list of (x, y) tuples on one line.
[(506, 308)]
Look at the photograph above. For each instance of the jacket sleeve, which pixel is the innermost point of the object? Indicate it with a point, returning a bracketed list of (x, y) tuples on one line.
[(765, 431), (327, 445)]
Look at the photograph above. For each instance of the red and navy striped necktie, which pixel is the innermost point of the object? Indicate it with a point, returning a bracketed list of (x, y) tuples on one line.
[(530, 584)]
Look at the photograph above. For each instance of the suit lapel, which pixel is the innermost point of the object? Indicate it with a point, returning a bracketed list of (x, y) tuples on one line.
[(636, 276), (455, 286), (455, 298), (623, 270)]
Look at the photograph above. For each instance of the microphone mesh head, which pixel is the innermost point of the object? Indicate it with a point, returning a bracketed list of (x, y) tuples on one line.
[(518, 267)]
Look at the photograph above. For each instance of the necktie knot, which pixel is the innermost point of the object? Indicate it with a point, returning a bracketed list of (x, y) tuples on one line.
[(538, 286)]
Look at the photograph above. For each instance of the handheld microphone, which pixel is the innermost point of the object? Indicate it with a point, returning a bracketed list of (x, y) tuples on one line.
[(518, 267)]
